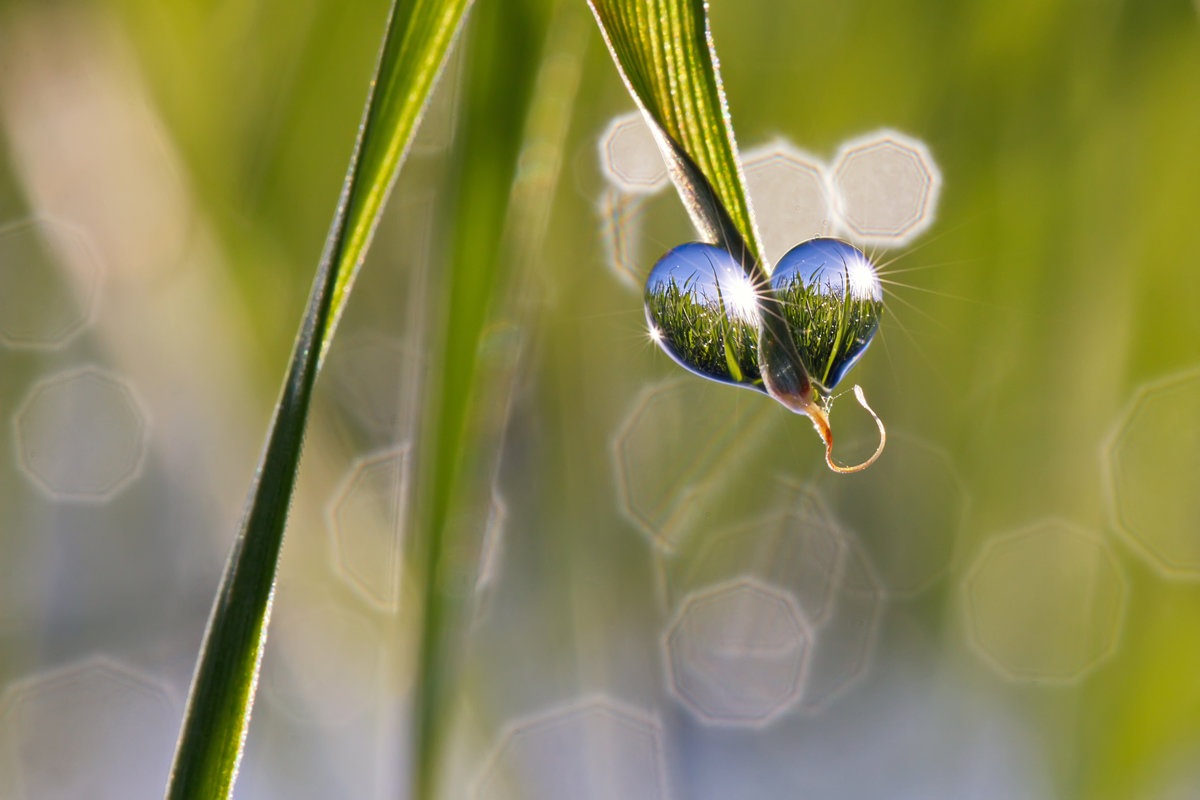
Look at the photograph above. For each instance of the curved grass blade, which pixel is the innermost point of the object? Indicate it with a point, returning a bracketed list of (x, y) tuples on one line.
[(417, 39), (514, 123), (665, 54)]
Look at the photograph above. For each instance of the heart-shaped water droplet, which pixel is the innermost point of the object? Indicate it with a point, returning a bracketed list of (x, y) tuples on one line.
[(703, 311), (832, 300)]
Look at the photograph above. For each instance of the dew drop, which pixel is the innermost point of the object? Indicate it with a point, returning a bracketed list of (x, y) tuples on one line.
[(703, 311), (832, 300)]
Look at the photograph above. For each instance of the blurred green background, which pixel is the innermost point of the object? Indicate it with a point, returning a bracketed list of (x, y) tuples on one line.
[(670, 594)]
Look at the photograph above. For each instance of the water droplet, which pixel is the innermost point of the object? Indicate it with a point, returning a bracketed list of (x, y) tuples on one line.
[(824, 295), (705, 312), (832, 301)]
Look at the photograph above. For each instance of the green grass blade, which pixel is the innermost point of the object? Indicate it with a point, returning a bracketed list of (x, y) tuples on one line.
[(514, 126), (417, 39), (663, 50), (419, 36)]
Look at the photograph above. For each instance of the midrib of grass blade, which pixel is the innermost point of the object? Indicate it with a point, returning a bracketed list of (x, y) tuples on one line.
[(418, 36)]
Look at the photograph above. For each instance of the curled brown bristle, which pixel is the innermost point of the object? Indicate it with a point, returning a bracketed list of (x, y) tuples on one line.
[(820, 420)]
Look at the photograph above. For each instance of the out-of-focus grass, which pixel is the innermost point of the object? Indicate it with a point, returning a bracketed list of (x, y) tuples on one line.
[(485, 248)]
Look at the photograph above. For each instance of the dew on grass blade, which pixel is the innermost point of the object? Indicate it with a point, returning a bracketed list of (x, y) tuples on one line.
[(703, 311), (832, 301), (707, 315)]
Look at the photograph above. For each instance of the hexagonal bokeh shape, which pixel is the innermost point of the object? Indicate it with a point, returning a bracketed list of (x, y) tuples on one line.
[(845, 641), (594, 749), (676, 443), (49, 275), (621, 233), (93, 731), (1045, 604), (908, 510), (1153, 469), (81, 435), (798, 546), (887, 187), (790, 194), (366, 518), (737, 653), (637, 229), (629, 156)]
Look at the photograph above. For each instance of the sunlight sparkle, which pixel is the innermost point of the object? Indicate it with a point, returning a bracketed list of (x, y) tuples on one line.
[(742, 299), (864, 283)]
